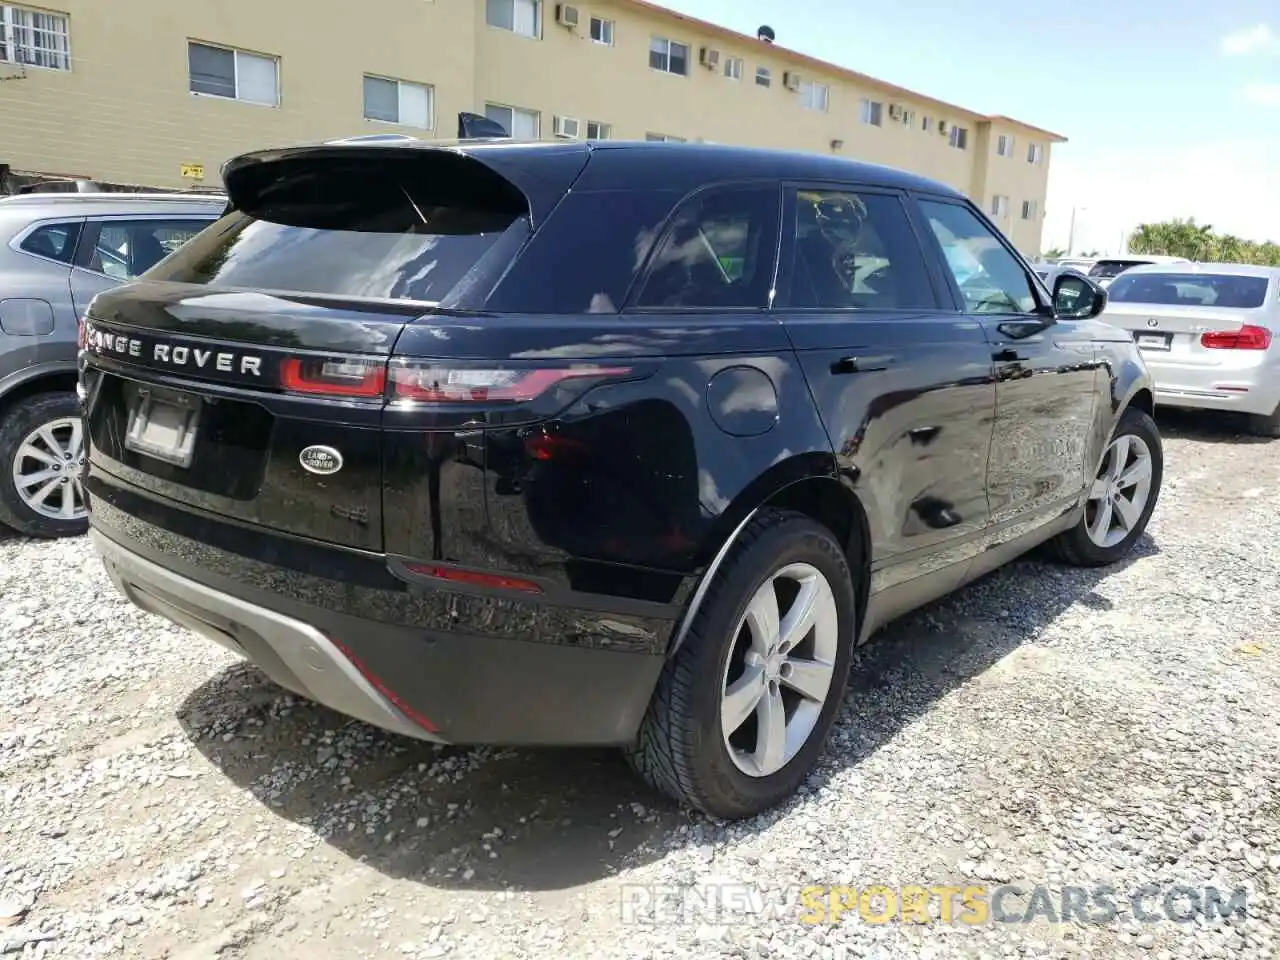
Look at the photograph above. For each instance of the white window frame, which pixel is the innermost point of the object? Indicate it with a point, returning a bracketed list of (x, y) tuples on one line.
[(809, 96), (431, 101), (537, 18), (663, 138), (9, 27), (958, 137), (536, 114), (871, 112), (1035, 153), (999, 206), (764, 74), (236, 53), (670, 44), (926, 124), (606, 31), (1030, 209), (604, 131), (733, 68), (1004, 145)]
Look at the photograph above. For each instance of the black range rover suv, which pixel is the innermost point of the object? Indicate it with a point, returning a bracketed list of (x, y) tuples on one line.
[(619, 443)]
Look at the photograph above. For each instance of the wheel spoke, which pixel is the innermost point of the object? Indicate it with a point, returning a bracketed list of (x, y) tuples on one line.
[(1128, 511), (79, 490), (41, 495), (762, 618), (1100, 489), (809, 678), (68, 508), (28, 480), (813, 601), (1101, 525), (29, 449), (742, 698), (50, 441), (1119, 457), (771, 735), (1140, 470)]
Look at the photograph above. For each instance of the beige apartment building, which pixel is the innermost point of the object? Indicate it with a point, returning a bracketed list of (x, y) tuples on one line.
[(160, 94)]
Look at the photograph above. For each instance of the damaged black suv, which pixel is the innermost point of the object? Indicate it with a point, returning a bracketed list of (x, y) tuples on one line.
[(611, 443)]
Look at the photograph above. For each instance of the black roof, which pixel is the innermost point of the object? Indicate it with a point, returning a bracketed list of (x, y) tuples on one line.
[(543, 169)]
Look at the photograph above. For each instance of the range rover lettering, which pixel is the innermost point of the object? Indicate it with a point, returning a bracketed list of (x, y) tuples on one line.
[(605, 443)]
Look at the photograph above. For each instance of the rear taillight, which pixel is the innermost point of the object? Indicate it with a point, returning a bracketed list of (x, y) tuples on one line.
[(80, 337), (1247, 337), (334, 377), (441, 384), (473, 578)]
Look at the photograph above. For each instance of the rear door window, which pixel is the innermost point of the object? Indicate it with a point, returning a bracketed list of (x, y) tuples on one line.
[(126, 249), (719, 251), (856, 250), (54, 241)]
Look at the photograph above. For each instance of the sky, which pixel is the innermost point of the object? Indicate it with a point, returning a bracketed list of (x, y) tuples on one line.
[(1170, 109)]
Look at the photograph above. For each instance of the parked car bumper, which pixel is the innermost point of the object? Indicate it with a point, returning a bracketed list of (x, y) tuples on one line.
[(430, 684), (1244, 389)]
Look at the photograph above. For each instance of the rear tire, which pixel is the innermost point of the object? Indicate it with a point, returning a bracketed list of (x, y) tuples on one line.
[(27, 454), (735, 650), (1265, 424), (1122, 498)]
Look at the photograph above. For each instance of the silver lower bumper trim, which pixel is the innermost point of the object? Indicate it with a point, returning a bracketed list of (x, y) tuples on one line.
[(294, 654)]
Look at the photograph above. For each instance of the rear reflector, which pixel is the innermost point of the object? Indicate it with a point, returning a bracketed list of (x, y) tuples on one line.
[(1247, 337), (395, 700), (437, 384), (474, 578), (336, 377)]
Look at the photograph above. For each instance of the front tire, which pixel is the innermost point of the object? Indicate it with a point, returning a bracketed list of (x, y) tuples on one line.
[(742, 711), (41, 459), (1122, 497)]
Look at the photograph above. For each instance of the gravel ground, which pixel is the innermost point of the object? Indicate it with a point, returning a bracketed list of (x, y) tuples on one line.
[(1046, 726)]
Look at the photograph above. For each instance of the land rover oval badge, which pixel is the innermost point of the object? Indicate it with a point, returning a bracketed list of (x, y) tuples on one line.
[(320, 459)]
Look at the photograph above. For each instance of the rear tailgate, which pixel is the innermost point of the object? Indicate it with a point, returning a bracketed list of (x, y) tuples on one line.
[(246, 375)]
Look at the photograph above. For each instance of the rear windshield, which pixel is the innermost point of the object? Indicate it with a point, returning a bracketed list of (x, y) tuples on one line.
[(379, 230), (1190, 290), (1113, 268)]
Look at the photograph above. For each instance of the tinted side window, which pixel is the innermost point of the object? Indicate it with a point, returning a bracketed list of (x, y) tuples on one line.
[(990, 279), (718, 252), (857, 250), (126, 249), (57, 241)]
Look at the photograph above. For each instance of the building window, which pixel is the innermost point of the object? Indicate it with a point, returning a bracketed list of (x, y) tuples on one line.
[(1035, 153), (519, 16), (398, 101), (999, 206), (959, 138), (598, 131), (908, 118), (763, 77), (662, 138), (1028, 209), (1004, 145), (872, 112), (927, 124), (602, 31), (34, 38), (520, 124), (669, 56), (814, 96), (733, 68), (233, 74)]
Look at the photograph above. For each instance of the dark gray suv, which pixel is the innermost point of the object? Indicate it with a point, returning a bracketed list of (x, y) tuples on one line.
[(57, 251)]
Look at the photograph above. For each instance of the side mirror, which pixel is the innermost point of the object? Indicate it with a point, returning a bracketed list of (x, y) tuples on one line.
[(1075, 298)]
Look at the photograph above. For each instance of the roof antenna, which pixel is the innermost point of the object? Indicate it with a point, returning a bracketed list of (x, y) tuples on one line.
[(766, 34)]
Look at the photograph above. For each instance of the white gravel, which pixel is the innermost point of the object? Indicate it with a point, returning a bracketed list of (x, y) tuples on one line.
[(1046, 726)]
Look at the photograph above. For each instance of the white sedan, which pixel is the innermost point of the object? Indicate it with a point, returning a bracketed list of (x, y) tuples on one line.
[(1208, 333)]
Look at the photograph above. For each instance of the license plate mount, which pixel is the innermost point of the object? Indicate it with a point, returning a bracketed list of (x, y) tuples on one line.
[(163, 425), (1153, 341)]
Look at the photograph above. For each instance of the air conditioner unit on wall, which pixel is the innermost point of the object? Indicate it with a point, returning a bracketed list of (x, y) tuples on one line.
[(895, 111), (943, 127), (710, 57), (791, 80), (566, 15), (568, 127)]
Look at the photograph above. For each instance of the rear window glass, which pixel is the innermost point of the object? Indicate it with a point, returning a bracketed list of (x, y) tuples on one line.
[(1190, 290), (1113, 268), (57, 241), (387, 230)]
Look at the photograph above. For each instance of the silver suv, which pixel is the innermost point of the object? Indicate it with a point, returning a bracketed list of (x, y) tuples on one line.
[(57, 250)]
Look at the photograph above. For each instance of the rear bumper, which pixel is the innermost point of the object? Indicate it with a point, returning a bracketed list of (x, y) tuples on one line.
[(430, 685), (1252, 387)]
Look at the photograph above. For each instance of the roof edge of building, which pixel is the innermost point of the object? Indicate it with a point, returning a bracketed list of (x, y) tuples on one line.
[(835, 68)]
